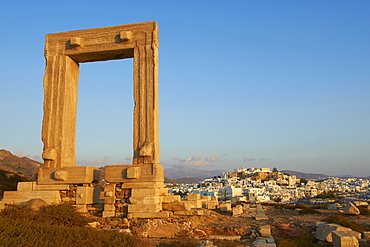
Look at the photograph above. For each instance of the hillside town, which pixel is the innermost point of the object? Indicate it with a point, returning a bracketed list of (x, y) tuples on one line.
[(259, 185)]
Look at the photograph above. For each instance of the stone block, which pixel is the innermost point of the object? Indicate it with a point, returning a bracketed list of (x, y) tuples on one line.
[(212, 205), (206, 198), (193, 197), (25, 186), (344, 239), (145, 192), (109, 193), (177, 206), (42, 187), (264, 230), (136, 208), (139, 184), (109, 214), (130, 173), (351, 209), (195, 203), (163, 192), (86, 195), (261, 217), (145, 199), (237, 210), (109, 207), (171, 198), (225, 207), (324, 231), (16, 197), (133, 172), (68, 175)]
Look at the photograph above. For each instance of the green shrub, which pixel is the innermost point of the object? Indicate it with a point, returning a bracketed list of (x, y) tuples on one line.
[(341, 220)]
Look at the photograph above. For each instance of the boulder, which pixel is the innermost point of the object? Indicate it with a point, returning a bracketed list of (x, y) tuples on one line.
[(324, 231), (344, 239), (237, 210), (350, 208), (36, 204), (264, 230)]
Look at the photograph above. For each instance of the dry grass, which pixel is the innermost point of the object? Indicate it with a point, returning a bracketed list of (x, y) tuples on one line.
[(56, 225)]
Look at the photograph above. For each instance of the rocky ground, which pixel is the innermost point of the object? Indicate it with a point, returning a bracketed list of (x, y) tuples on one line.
[(284, 223)]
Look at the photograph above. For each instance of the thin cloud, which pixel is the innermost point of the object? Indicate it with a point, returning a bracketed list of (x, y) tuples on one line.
[(195, 160), (21, 154), (214, 157), (92, 162), (246, 159)]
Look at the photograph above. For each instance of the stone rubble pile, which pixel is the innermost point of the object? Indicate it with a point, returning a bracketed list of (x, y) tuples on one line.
[(341, 236)]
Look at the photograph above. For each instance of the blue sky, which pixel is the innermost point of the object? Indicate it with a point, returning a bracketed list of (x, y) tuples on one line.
[(281, 84)]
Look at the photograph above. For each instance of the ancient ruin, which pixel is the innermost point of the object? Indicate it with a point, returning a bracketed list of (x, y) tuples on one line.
[(135, 190), (140, 183)]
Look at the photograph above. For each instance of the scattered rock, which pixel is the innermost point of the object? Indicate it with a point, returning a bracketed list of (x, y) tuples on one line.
[(127, 231), (350, 208), (237, 210), (333, 206), (206, 243), (264, 230), (344, 239), (324, 231), (93, 224)]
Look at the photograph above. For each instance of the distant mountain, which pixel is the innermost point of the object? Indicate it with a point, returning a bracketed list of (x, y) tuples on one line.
[(182, 180), (305, 175), (12, 163), (189, 172)]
